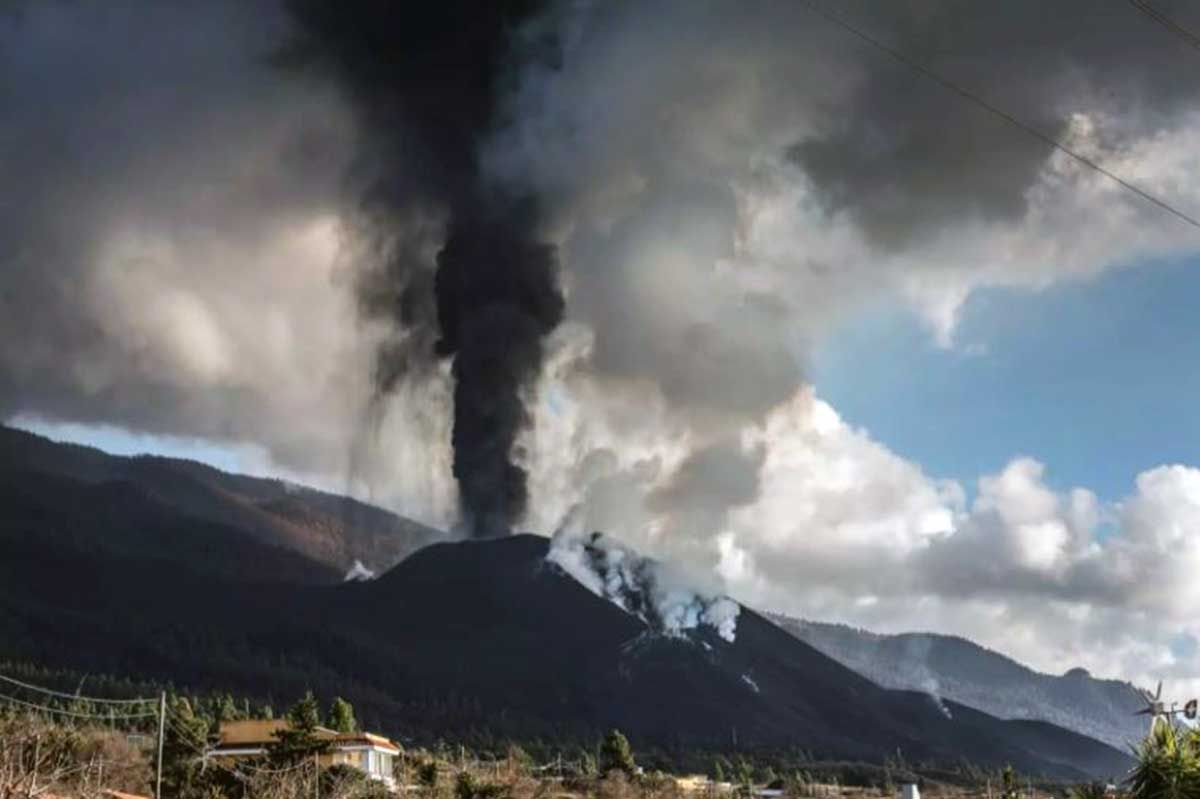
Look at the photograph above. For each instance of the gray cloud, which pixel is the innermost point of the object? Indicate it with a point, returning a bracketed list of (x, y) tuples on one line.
[(167, 229), (907, 157)]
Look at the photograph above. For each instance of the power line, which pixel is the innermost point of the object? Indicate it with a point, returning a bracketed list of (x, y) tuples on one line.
[(1166, 22), (74, 713), (74, 697), (999, 112)]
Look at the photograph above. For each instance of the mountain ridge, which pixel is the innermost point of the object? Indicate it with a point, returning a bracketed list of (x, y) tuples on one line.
[(960, 669), (330, 530)]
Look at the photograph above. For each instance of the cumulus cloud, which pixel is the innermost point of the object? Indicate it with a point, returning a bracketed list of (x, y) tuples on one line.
[(1055, 578)]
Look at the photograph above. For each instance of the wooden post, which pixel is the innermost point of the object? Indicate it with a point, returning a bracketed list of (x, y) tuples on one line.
[(162, 726)]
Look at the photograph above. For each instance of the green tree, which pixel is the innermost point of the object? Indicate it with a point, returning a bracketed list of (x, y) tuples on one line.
[(184, 742), (341, 716), (1009, 779), (1168, 765), (298, 741), (225, 709), (743, 773), (616, 754), (717, 772)]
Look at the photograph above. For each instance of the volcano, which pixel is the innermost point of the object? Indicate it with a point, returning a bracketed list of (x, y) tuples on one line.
[(134, 569), (489, 641), (496, 621)]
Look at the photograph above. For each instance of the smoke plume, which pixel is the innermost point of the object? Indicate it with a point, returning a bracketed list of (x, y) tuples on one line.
[(425, 83)]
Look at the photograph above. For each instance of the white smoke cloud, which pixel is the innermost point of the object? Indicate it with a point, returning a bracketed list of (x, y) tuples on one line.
[(359, 573), (659, 594)]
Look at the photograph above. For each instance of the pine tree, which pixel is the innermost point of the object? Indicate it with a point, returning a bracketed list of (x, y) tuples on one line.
[(184, 743), (226, 709), (299, 740), (1009, 779), (616, 755), (341, 716)]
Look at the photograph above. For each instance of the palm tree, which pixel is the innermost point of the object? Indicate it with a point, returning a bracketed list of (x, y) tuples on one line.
[(1168, 765)]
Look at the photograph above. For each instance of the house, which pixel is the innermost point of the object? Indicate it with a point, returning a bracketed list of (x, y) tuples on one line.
[(245, 740)]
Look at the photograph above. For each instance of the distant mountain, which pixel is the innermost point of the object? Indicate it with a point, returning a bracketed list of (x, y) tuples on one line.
[(965, 672), (489, 641), (175, 508)]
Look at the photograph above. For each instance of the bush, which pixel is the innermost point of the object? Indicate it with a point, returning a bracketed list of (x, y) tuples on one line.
[(466, 786), (427, 773), (1168, 765)]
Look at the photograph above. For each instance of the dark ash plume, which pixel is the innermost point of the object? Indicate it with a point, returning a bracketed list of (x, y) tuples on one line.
[(426, 80)]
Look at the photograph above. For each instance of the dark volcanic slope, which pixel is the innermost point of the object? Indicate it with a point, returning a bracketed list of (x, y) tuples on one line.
[(487, 639), (961, 670), (328, 531)]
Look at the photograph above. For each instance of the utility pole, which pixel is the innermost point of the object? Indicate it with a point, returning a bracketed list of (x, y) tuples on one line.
[(162, 727)]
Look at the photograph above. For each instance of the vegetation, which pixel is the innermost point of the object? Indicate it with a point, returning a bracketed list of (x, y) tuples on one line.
[(39, 757), (1010, 789), (298, 742), (616, 755), (1168, 765), (77, 760), (187, 737), (341, 716), (1088, 790)]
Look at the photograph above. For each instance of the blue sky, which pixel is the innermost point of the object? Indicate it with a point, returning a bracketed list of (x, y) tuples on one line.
[(243, 458), (1097, 380)]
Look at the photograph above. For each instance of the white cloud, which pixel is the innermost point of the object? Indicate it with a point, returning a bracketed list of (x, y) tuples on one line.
[(1025, 570)]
